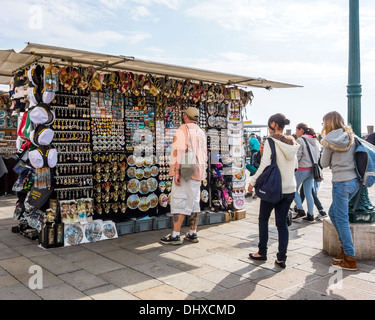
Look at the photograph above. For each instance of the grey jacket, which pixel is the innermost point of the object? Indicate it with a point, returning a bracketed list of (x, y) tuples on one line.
[(338, 154), (303, 156)]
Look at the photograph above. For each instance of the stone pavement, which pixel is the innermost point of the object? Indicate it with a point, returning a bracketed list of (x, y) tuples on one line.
[(138, 267)]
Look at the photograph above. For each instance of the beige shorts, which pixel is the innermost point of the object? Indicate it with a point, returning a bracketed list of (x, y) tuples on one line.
[(185, 199)]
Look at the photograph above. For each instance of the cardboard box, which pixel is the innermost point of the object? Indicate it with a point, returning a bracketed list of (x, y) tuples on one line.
[(240, 214)]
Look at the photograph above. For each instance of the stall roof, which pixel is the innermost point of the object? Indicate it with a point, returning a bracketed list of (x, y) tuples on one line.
[(11, 61)]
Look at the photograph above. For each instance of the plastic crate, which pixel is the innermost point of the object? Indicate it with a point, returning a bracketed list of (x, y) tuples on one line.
[(142, 225), (125, 227), (202, 220), (215, 217), (162, 222)]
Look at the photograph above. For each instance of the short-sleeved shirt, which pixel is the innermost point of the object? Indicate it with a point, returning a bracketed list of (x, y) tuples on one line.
[(198, 144)]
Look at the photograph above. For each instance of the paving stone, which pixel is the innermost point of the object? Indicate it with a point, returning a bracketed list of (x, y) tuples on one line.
[(82, 280), (98, 265), (157, 270), (245, 291), (61, 292), (55, 264), (130, 280), (7, 280), (125, 257), (340, 292), (298, 293), (31, 250), (224, 278), (193, 285), (17, 292), (7, 252), (287, 278), (109, 292), (163, 292)]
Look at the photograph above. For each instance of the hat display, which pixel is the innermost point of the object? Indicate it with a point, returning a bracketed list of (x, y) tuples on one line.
[(35, 74), (43, 157), (48, 96), (41, 114), (41, 136)]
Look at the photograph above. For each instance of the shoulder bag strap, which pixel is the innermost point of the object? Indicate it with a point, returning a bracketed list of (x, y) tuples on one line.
[(273, 150), (308, 149), (189, 139)]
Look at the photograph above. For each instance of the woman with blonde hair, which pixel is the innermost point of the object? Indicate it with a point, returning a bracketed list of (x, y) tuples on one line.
[(338, 154)]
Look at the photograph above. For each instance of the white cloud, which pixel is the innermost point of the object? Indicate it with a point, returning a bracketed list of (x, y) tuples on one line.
[(140, 12), (172, 4)]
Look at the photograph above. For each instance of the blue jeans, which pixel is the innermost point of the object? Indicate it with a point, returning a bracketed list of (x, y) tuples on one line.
[(281, 211), (317, 202), (307, 180), (342, 192)]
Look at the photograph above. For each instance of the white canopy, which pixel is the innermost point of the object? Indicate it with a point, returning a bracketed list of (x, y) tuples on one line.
[(11, 61)]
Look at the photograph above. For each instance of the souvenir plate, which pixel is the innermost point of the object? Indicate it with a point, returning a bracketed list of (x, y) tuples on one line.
[(154, 171), (73, 234), (131, 160), (139, 174), (143, 187), (221, 122), (139, 162), (239, 202), (93, 231), (133, 201), (3, 114), (212, 109), (109, 230), (131, 172), (212, 121), (152, 184), (133, 186), (148, 161), (144, 204), (153, 198), (147, 172), (154, 160)]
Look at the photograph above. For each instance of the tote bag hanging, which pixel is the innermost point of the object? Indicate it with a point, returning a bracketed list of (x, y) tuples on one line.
[(189, 164)]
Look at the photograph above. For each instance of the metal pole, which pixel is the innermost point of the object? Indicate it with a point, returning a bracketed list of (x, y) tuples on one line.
[(365, 211), (354, 88)]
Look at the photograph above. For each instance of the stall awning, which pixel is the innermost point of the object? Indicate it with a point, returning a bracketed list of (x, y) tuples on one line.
[(11, 61)]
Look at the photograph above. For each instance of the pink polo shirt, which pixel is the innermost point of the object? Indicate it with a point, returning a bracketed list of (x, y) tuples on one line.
[(198, 144)]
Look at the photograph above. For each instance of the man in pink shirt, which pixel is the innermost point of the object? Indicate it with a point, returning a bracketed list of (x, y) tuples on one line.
[(185, 195)]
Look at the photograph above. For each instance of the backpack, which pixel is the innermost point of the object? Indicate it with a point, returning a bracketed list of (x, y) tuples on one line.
[(268, 186), (364, 160)]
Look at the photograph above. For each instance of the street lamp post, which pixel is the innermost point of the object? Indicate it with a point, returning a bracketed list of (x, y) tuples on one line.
[(365, 209), (354, 88)]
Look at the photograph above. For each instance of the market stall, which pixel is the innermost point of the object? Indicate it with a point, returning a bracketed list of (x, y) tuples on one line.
[(95, 134)]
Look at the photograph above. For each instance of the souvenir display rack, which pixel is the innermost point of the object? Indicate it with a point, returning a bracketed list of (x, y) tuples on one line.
[(113, 134), (73, 175)]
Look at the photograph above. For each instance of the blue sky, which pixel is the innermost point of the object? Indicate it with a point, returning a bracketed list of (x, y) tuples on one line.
[(295, 41)]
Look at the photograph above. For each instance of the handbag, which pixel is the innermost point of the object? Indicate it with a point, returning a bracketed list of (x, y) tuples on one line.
[(317, 171), (189, 164), (268, 186)]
